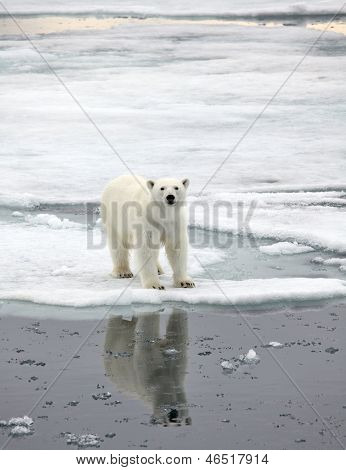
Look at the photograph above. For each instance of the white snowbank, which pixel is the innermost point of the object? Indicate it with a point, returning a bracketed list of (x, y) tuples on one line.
[(249, 292), (339, 262), (175, 7), (39, 256), (285, 248), (51, 221), (308, 221)]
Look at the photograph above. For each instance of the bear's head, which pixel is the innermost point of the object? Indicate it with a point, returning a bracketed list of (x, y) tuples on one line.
[(169, 191)]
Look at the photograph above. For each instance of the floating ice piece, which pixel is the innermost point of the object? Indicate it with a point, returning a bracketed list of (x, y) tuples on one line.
[(102, 396), (227, 365), (19, 426), (275, 344), (83, 440), (250, 358), (17, 214), (285, 248), (25, 421), (171, 352), (21, 431)]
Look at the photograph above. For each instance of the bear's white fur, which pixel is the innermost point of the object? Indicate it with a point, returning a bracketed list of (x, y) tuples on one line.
[(143, 214)]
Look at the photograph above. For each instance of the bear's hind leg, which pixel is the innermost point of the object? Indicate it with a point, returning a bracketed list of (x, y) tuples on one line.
[(120, 257), (121, 267)]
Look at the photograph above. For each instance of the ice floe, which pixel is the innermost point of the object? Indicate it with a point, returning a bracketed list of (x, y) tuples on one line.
[(247, 292), (285, 248)]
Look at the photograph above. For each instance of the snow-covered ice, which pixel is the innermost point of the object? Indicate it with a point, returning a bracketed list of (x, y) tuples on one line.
[(174, 7), (287, 174), (285, 248), (51, 220)]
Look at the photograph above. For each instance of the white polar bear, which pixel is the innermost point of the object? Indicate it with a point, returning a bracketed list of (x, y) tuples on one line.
[(142, 215)]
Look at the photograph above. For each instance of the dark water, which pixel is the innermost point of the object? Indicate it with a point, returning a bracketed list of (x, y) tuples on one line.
[(153, 379)]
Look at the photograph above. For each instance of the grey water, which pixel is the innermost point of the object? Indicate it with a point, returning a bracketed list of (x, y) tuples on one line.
[(151, 377)]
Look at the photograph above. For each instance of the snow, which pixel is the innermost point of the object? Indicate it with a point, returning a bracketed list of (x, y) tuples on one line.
[(339, 262), (285, 248), (285, 181), (35, 255), (248, 292), (236, 7), (52, 221), (160, 125), (315, 220)]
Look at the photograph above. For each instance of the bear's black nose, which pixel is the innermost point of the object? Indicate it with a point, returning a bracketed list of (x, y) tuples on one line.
[(170, 198)]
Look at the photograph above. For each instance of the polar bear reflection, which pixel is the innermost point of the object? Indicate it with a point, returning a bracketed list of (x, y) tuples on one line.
[(144, 365)]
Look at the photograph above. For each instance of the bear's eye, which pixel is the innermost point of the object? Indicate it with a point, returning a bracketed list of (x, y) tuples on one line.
[(176, 188), (162, 189)]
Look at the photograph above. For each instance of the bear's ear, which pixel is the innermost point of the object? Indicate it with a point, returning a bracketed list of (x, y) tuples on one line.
[(150, 184), (186, 182)]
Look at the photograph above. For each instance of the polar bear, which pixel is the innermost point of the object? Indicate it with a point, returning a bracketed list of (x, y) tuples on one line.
[(144, 365), (142, 215)]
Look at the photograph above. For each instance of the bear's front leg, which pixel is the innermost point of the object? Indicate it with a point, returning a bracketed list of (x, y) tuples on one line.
[(177, 257), (147, 263)]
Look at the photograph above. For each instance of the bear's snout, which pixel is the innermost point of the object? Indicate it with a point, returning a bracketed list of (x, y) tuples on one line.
[(170, 198)]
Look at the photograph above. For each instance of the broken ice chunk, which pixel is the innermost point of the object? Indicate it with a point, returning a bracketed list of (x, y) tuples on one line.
[(274, 344), (250, 358), (227, 365), (25, 421), (20, 430)]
